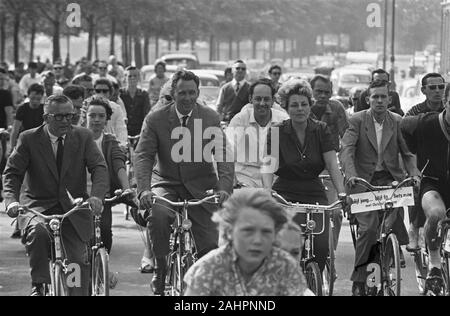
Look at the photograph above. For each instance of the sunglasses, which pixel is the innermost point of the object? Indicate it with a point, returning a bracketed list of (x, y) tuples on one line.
[(241, 68), (436, 86), (276, 73), (102, 68), (57, 68), (60, 117), (101, 90)]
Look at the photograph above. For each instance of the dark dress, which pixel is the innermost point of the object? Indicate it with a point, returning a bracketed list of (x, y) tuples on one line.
[(298, 174)]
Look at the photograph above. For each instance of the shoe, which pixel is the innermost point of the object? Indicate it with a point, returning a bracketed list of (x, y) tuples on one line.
[(148, 268), (37, 289), (358, 289), (434, 281), (402, 259), (16, 234), (159, 278), (113, 280)]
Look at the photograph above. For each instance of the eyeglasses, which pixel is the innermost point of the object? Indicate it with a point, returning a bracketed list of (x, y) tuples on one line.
[(102, 68), (276, 73), (57, 68), (60, 117), (101, 90), (241, 68), (436, 86)]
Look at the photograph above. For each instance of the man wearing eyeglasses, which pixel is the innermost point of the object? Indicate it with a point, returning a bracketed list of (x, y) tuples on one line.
[(275, 75), (394, 105), (233, 96), (52, 160)]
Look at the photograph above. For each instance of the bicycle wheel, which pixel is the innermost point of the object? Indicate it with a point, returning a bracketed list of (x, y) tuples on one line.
[(421, 267), (391, 269), (446, 274), (172, 275), (59, 281), (329, 271), (100, 273), (313, 278)]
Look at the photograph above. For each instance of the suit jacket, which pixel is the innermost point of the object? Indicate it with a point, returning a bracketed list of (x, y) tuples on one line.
[(33, 160), (197, 175), (230, 103), (359, 155)]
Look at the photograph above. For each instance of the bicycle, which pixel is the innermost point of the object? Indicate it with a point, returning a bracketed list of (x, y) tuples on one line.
[(421, 260), (321, 284), (57, 265), (183, 252), (388, 282), (131, 145)]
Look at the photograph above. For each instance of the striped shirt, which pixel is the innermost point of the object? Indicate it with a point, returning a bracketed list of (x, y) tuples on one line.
[(422, 108)]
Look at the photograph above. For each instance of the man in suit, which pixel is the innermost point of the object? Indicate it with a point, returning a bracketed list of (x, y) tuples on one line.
[(371, 148), (53, 159), (184, 121), (234, 95)]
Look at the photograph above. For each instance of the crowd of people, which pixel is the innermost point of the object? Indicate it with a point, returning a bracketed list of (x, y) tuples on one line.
[(69, 137)]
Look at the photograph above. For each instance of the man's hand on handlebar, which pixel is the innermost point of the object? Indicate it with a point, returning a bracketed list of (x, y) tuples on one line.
[(13, 210), (223, 196), (146, 200), (96, 205)]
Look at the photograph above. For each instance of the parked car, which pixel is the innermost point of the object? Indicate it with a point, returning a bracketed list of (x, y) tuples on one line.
[(187, 60), (296, 75), (346, 78), (209, 88), (214, 65)]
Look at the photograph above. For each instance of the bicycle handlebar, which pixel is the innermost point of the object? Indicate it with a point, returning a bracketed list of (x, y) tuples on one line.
[(187, 203), (83, 206), (118, 194), (308, 208), (395, 185)]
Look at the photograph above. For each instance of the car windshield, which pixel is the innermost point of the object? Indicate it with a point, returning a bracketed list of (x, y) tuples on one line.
[(356, 78), (188, 63)]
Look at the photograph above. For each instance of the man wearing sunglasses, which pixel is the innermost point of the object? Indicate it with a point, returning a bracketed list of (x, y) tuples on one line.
[(102, 68), (433, 86), (275, 75), (51, 161), (234, 95)]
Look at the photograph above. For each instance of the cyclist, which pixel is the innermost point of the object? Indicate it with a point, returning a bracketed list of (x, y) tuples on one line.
[(51, 161), (370, 150), (248, 264), (188, 165), (157, 81), (248, 130), (429, 135), (302, 151)]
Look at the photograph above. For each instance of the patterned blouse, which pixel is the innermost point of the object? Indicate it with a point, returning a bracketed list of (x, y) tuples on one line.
[(217, 274)]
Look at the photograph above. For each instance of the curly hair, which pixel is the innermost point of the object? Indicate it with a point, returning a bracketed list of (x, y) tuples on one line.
[(292, 87), (100, 101), (257, 199)]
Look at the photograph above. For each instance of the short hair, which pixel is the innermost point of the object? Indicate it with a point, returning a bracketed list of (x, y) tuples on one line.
[(431, 75), (32, 65), (185, 75), (257, 199), (239, 61), (160, 63), (58, 99), (131, 68), (74, 92), (3, 71), (381, 72), (100, 101), (228, 70), (377, 84), (262, 81), (37, 88), (293, 87), (273, 68), (105, 82), (81, 78), (322, 78)]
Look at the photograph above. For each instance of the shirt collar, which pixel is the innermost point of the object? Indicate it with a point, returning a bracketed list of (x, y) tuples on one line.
[(241, 83), (180, 116), (53, 138)]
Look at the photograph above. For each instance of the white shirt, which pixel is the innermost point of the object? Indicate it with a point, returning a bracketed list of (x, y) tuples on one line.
[(234, 83), (27, 81), (379, 134), (95, 77), (180, 116), (116, 125), (99, 142), (54, 140)]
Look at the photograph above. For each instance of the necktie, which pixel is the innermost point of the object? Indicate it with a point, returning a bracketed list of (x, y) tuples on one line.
[(59, 154), (237, 88), (185, 119)]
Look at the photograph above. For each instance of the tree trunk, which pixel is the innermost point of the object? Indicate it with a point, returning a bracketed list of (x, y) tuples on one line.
[(322, 43), (177, 38), (112, 45), (254, 47), (298, 52), (130, 48), (91, 30), (339, 45), (211, 48), (169, 45), (238, 49), (146, 48), (230, 48), (32, 40), (2, 36), (292, 53), (156, 47), (96, 43), (125, 44), (56, 42), (17, 18), (218, 53), (193, 44), (137, 52), (284, 49)]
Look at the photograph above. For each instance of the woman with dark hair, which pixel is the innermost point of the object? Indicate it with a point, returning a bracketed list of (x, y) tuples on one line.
[(98, 112), (248, 264), (302, 151)]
